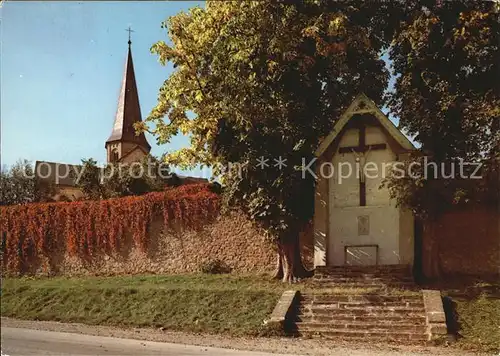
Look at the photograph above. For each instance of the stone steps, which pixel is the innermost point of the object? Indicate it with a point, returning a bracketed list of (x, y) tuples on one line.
[(373, 277), (361, 272), (415, 303), (359, 311), (365, 317), (392, 319), (359, 325), (351, 279), (364, 306), (350, 273), (373, 298), (390, 269), (377, 280), (367, 335), (346, 305), (362, 285)]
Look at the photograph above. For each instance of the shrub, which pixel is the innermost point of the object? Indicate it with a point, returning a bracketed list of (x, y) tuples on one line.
[(17, 185), (120, 180)]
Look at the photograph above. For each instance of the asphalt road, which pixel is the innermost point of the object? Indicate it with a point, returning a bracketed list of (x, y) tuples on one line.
[(16, 342)]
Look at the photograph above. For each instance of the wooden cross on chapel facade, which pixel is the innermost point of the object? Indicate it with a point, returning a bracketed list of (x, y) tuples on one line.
[(362, 148)]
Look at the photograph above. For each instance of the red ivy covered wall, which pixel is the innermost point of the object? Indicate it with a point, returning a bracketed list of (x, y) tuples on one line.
[(32, 234)]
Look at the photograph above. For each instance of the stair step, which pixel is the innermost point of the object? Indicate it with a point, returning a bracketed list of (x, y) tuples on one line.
[(416, 319), (359, 307), (364, 286), (362, 272), (347, 280), (361, 303), (365, 305), (357, 326), (367, 335), (354, 285), (399, 267), (362, 275), (350, 279), (375, 298), (321, 310)]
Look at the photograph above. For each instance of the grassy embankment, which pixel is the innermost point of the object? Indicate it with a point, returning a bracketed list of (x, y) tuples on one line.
[(234, 305), (480, 324), (230, 304), (196, 303), (476, 316)]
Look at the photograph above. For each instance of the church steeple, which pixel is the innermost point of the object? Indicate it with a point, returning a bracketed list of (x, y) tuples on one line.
[(123, 139)]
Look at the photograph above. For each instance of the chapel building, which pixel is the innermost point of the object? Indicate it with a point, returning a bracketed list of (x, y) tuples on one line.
[(356, 222)]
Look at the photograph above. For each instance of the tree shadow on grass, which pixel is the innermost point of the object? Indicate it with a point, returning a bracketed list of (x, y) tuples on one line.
[(452, 318)]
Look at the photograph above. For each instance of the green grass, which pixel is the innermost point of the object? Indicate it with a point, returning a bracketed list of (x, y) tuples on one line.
[(472, 306), (230, 304), (479, 323), (197, 303)]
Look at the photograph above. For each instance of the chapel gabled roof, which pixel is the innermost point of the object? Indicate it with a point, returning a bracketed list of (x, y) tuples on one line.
[(129, 110), (364, 105)]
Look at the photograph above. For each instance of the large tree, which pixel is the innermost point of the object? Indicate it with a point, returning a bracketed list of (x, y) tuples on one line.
[(267, 79), (446, 55), (447, 58)]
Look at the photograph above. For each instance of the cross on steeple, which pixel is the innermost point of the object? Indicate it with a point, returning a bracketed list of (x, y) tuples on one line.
[(129, 30)]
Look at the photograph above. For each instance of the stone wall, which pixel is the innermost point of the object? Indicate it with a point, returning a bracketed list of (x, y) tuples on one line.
[(467, 242), (230, 239)]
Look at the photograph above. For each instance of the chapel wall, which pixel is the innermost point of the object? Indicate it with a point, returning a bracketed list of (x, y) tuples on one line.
[(383, 218), (384, 225), (321, 216), (344, 187)]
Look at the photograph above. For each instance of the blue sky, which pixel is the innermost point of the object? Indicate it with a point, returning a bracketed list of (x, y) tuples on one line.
[(61, 70)]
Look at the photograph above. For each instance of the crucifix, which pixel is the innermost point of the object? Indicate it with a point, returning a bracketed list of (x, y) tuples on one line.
[(362, 150), (129, 30)]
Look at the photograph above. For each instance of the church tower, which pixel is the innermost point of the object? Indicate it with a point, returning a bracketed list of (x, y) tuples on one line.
[(123, 145)]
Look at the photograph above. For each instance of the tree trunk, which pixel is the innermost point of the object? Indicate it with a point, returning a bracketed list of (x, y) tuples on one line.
[(431, 265), (278, 272), (289, 266)]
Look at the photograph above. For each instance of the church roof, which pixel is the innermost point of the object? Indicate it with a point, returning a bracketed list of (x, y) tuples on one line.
[(129, 110), (364, 105), (57, 173)]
